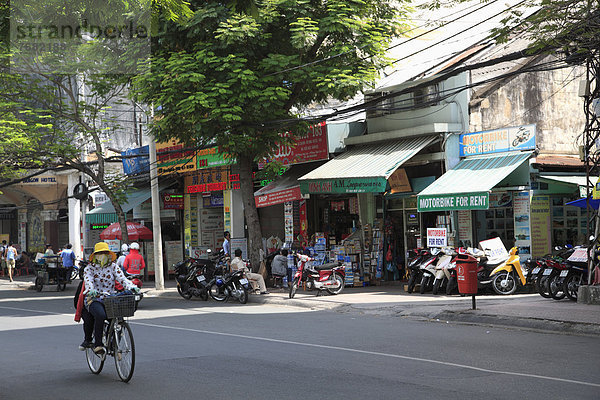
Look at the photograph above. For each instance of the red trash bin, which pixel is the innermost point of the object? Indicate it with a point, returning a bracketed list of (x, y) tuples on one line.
[(466, 274)]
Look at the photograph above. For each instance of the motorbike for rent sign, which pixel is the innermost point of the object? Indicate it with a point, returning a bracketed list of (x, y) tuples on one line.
[(449, 202), (514, 138), (437, 237)]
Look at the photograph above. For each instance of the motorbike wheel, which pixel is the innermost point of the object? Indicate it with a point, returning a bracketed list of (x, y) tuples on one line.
[(450, 285), (437, 284), (540, 286), (412, 281), (184, 293), (515, 142), (340, 280), (424, 283), (554, 288), (38, 284), (504, 283), (293, 288), (204, 295), (571, 286), (217, 293), (244, 296)]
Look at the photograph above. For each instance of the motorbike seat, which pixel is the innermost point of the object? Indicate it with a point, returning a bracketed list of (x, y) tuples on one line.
[(325, 266), (493, 264)]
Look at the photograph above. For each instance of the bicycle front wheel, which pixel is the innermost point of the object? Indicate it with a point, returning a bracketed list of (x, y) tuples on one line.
[(94, 361), (124, 350)]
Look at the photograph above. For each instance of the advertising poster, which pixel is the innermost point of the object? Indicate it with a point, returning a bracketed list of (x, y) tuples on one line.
[(522, 232), (173, 252), (436, 237), (541, 242), (465, 228), (187, 221), (303, 238), (227, 210), (501, 199), (242, 244), (172, 158)]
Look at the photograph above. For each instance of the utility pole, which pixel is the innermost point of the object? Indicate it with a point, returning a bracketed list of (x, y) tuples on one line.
[(159, 280)]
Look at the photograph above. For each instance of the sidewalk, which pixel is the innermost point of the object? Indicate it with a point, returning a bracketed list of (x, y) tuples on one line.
[(521, 311)]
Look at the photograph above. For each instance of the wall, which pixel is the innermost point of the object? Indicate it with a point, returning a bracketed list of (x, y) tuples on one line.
[(547, 99)]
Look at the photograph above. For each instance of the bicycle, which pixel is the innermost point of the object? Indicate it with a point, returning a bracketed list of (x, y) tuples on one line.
[(117, 338)]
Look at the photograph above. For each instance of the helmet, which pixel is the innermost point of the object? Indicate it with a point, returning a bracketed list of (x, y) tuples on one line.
[(134, 246), (124, 248)]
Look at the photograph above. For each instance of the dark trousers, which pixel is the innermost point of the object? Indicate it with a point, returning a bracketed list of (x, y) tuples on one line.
[(98, 314)]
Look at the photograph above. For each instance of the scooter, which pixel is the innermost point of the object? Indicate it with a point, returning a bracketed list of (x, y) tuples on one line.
[(415, 257), (441, 276), (504, 277), (329, 277), (232, 284), (428, 270)]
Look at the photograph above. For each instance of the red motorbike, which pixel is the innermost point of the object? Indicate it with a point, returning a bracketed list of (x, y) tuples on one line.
[(329, 277)]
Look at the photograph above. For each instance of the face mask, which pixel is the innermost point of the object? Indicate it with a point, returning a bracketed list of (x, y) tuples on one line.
[(101, 259)]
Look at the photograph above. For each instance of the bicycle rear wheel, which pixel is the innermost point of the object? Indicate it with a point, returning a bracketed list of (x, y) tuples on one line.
[(94, 361), (124, 350)]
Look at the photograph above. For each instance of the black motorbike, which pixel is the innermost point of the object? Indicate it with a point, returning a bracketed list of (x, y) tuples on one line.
[(232, 284), (194, 276), (415, 258)]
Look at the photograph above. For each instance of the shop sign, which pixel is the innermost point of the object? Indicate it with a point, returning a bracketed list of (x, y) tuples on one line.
[(40, 180), (96, 227), (541, 241), (595, 191), (498, 140), (399, 182), (212, 157), (437, 237), (136, 161), (172, 201), (312, 147), (279, 197), (172, 158), (214, 200), (207, 187), (448, 202), (348, 185)]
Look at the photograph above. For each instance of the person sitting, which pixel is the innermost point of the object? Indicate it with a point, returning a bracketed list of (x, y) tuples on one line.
[(99, 282), (238, 264), (279, 265), (134, 262)]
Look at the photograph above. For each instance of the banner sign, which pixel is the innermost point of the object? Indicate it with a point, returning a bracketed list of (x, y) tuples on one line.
[(170, 158), (212, 157), (136, 161), (172, 201), (278, 197), (449, 202), (349, 185), (498, 140), (312, 147), (436, 237), (399, 182)]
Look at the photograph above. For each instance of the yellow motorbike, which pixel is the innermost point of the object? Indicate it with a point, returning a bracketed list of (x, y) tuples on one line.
[(505, 277)]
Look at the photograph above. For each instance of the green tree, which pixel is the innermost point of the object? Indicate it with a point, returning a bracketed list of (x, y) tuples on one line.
[(223, 77)]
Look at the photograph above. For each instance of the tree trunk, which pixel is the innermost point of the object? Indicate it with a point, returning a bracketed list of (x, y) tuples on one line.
[(245, 164)]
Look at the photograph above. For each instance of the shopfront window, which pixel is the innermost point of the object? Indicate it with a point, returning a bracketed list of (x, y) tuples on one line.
[(569, 223)]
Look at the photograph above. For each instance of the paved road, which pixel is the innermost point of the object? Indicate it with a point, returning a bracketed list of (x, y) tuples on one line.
[(228, 351)]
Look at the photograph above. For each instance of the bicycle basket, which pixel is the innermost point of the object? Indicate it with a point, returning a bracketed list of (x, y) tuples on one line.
[(119, 306)]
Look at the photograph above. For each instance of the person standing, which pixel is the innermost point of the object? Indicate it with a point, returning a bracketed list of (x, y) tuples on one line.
[(68, 260), (226, 244), (3, 247), (11, 258)]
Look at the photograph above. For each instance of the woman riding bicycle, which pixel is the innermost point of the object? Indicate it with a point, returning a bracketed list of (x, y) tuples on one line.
[(99, 282)]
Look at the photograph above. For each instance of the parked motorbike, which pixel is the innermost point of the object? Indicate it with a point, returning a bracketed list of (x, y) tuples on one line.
[(194, 276), (415, 257), (441, 276), (232, 284), (428, 270), (548, 264), (507, 276), (329, 277)]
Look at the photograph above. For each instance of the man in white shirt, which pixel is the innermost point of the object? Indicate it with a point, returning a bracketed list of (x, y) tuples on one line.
[(238, 264)]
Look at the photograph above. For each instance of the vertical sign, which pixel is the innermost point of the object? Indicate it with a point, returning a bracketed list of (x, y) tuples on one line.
[(303, 224), (227, 210), (187, 221), (288, 216), (540, 226), (465, 228), (522, 232)]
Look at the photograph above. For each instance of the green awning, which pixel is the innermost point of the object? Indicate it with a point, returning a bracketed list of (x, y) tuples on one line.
[(467, 186)]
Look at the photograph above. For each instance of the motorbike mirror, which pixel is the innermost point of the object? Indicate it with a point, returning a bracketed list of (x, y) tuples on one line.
[(592, 238), (208, 251)]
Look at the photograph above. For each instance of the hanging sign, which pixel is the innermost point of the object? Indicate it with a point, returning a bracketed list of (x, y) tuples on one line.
[(399, 182), (448, 202), (498, 140), (171, 158), (172, 201), (212, 157), (437, 237), (136, 161), (311, 147), (278, 197)]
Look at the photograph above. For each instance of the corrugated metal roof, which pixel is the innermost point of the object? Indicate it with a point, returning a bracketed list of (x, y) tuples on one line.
[(476, 174), (377, 160)]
